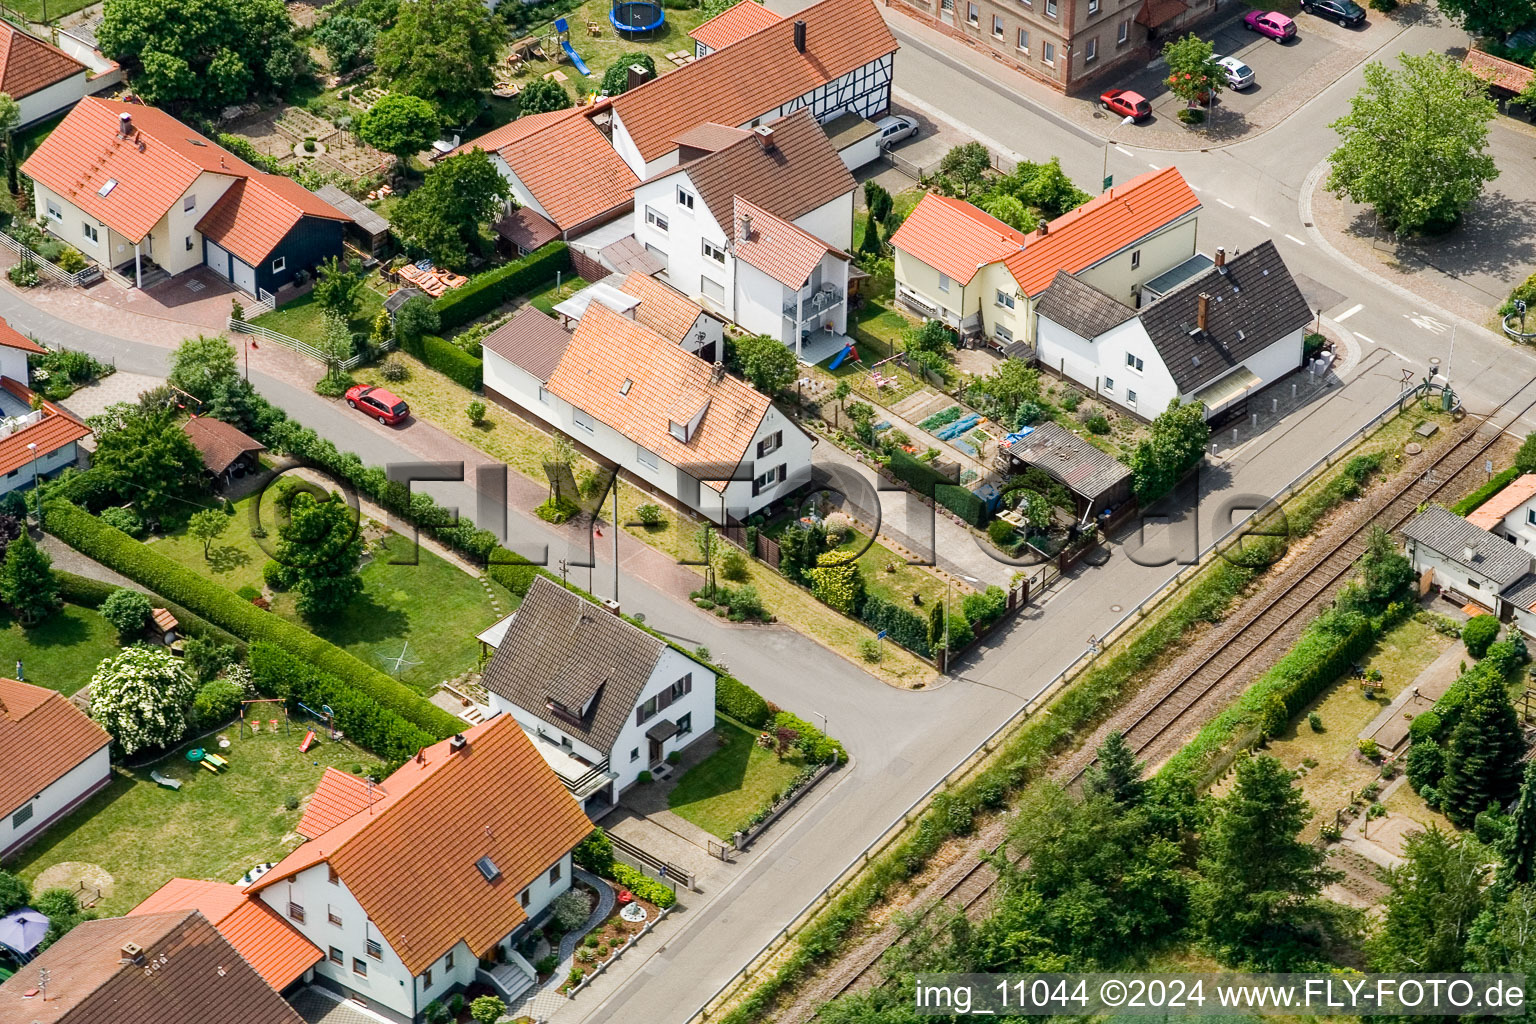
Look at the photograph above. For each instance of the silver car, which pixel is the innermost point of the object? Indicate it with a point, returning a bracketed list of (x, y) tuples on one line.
[(1239, 75), (895, 128)]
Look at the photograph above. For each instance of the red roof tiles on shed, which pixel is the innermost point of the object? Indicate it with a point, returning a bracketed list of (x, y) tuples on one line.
[(29, 65), (733, 24)]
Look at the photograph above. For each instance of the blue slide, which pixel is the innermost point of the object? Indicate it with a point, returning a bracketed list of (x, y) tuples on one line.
[(847, 349), (563, 28)]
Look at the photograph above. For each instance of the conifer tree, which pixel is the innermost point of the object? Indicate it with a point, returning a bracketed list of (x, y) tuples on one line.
[(1482, 760)]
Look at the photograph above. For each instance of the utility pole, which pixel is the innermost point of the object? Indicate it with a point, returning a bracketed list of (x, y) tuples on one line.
[(615, 535)]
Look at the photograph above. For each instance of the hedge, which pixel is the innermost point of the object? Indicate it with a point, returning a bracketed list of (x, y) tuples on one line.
[(922, 476), (741, 702), (89, 593), (961, 502), (448, 359), (486, 291), (146, 567), (645, 887), (1497, 483), (359, 715), (900, 625)]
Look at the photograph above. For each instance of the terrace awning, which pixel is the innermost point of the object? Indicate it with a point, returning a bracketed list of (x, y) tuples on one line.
[(1233, 386)]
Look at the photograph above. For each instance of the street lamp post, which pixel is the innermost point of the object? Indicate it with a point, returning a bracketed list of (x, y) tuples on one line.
[(37, 495), (1110, 141)]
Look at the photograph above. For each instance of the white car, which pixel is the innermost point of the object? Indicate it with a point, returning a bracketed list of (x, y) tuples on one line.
[(1239, 75), (895, 128)]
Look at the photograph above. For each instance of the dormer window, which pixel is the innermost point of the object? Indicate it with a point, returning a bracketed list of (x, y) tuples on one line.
[(679, 430), (488, 868)]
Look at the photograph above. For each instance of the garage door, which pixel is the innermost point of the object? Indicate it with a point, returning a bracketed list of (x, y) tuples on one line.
[(217, 259), (244, 277)]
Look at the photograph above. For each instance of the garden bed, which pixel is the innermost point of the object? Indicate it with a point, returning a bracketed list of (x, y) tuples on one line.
[(608, 939)]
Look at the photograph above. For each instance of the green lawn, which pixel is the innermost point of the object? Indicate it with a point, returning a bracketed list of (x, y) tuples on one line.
[(215, 827), (721, 792), (61, 652), (547, 298), (601, 51), (303, 317), (433, 605)]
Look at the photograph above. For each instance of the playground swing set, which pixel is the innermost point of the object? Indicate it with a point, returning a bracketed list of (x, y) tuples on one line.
[(877, 380)]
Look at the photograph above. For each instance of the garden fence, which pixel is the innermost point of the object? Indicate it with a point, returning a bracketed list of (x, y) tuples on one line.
[(303, 347), (979, 755), (45, 268)]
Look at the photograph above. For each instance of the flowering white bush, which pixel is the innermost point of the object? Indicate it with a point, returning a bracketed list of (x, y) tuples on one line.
[(141, 697)]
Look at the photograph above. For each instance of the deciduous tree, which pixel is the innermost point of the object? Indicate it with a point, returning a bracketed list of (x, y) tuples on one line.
[(442, 51), (27, 585), (966, 166), (207, 526), (1436, 896), (142, 697), (1414, 143), (128, 611), (1193, 72), (348, 40), (1001, 392), (766, 362), (319, 549), (339, 287), (616, 78), (456, 197), (1496, 18), (1010, 210), (541, 96), (1519, 850), (1385, 571), (149, 459), (1174, 445), (206, 53), (400, 124)]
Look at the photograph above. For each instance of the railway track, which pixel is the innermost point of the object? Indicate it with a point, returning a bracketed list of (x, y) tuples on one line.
[(1248, 638)]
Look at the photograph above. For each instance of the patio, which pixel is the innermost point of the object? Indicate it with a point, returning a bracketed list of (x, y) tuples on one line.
[(197, 297), (821, 345)]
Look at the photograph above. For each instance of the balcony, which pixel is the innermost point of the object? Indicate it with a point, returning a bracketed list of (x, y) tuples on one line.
[(579, 776), (814, 307)]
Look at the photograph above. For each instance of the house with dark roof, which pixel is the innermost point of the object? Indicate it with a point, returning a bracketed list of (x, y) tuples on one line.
[(227, 451), (40, 77), (833, 57), (408, 885), (1227, 332), (145, 196), (1467, 561), (37, 438), (601, 699), (959, 264), (756, 226), (639, 400), (56, 758), (149, 969)]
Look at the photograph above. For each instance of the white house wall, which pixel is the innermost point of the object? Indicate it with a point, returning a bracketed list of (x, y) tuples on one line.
[(794, 455), (1095, 364), (832, 222), (759, 303), (47, 465), (1452, 575), (71, 787), (631, 749), (13, 364), (520, 191), (1152, 255), (683, 240), (53, 99), (865, 151), (1517, 528)]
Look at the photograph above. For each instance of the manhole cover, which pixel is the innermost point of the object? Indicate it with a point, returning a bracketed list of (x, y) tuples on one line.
[(1413, 448), (1114, 608)]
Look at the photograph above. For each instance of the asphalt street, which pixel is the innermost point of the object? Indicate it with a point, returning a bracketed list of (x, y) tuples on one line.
[(901, 742)]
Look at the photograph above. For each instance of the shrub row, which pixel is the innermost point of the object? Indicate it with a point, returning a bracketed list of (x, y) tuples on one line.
[(645, 887), (142, 564), (902, 626), (488, 290), (89, 593), (447, 359), (961, 502), (1497, 483), (921, 475), (359, 714), (735, 698)]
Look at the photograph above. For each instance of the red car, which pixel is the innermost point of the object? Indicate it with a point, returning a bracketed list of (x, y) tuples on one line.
[(1126, 103), (1270, 23), (384, 406)]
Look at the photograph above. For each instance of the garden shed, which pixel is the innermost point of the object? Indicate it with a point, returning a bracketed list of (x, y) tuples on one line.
[(365, 226), (1098, 481)]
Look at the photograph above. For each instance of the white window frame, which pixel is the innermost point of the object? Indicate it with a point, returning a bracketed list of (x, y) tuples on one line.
[(543, 395), (280, 264), (584, 420), (1050, 8), (997, 25), (712, 251), (647, 458), (1109, 383), (1130, 398), (1023, 41), (1135, 258), (1133, 362), (1001, 332), (1048, 53), (1124, 34), (972, 12), (1004, 298), (90, 232), (1091, 51), (685, 199), (1093, 7), (656, 220), (54, 209), (717, 298)]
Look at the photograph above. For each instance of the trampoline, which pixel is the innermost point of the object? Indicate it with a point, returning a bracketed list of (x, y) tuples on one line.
[(636, 17)]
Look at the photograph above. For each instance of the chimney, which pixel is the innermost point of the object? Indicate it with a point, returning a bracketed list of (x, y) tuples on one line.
[(1221, 256), (1045, 228), (612, 605), (458, 743), (717, 372), (133, 953), (800, 34), (639, 74), (746, 227), (764, 137), (1203, 311), (125, 124), (1471, 552)]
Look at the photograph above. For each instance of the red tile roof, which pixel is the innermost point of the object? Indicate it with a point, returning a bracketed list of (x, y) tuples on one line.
[(56, 429), (144, 174), (1505, 74), (665, 384), (784, 252), (572, 170), (709, 137), (1101, 227), (514, 131), (755, 75), (255, 214), (268, 943), (337, 798), (10, 337), (42, 736), (662, 308), (27, 64), (954, 237), (734, 23), (1516, 493), (410, 858)]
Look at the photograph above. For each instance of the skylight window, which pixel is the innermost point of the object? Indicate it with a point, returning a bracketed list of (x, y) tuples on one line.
[(624, 388), (488, 868), (108, 187)]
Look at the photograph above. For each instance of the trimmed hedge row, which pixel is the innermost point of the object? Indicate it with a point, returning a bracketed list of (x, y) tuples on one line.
[(1497, 483), (142, 564), (359, 715), (486, 291), (448, 359), (643, 886), (902, 626), (961, 502), (89, 593), (921, 475), (735, 698)]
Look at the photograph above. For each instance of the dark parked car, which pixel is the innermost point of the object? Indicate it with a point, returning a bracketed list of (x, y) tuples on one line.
[(1345, 12), (384, 406)]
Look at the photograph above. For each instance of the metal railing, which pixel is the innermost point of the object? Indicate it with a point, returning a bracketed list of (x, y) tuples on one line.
[(978, 755), (818, 303), (48, 270)]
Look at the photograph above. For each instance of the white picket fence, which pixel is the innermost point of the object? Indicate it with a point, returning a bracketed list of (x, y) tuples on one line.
[(304, 347), (45, 268)]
